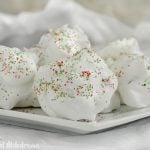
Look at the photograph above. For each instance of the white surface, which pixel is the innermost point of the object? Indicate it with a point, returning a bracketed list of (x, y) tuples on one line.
[(100, 30), (134, 136)]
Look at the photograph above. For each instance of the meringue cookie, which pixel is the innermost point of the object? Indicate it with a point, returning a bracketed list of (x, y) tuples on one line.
[(133, 72), (17, 71), (120, 47), (76, 87), (59, 43), (130, 66)]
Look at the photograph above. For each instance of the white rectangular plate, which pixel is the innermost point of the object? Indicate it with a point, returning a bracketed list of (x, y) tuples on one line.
[(35, 118)]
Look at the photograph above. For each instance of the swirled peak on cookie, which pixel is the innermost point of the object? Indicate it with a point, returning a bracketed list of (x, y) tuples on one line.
[(76, 87), (132, 68), (17, 71), (58, 43)]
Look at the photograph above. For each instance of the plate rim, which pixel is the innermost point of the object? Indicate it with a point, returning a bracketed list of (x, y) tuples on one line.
[(78, 127)]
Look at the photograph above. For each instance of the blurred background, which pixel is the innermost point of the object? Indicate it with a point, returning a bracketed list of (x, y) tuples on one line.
[(128, 11), (102, 20)]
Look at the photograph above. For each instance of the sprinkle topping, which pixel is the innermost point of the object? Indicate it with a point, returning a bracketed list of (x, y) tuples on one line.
[(15, 64), (71, 77), (70, 40)]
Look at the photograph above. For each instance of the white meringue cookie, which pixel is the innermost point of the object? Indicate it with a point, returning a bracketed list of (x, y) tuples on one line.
[(120, 47), (17, 71), (130, 66), (64, 41), (133, 73), (76, 87)]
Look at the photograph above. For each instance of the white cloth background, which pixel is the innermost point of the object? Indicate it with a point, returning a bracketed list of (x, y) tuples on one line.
[(25, 29)]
